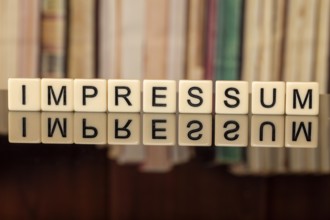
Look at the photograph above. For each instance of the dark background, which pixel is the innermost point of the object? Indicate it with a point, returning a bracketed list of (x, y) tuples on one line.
[(79, 182)]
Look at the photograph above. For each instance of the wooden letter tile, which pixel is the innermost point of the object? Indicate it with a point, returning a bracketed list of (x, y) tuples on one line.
[(90, 95), (57, 94), (195, 96), (24, 94), (268, 98), (302, 98), (231, 97), (159, 96), (124, 96)]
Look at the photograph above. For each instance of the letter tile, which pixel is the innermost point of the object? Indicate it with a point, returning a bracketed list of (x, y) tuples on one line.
[(268, 98), (90, 95), (231, 130), (302, 98), (124, 128), (57, 127), (24, 127), (267, 131), (124, 95), (159, 129), (195, 130), (159, 96), (57, 94), (24, 94), (231, 97), (195, 96), (301, 131), (90, 128)]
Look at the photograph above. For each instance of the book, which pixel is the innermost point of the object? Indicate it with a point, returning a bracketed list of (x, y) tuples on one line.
[(107, 25), (298, 64), (175, 60), (322, 47), (157, 159), (211, 36), (196, 40), (132, 63), (53, 38), (81, 40), (29, 28), (227, 64), (9, 40)]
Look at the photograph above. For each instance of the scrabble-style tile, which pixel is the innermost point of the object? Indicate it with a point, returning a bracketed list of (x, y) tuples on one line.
[(267, 131), (268, 98), (57, 127), (124, 95), (24, 94), (302, 98), (159, 96), (231, 97), (90, 95), (90, 128), (301, 131), (159, 129), (195, 96), (24, 127), (195, 130), (231, 130), (124, 128), (57, 94)]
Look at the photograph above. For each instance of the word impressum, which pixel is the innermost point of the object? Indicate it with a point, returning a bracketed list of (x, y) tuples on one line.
[(163, 129), (160, 96)]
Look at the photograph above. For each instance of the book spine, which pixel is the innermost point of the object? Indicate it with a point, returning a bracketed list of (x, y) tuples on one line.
[(81, 61), (53, 37), (29, 38), (9, 37)]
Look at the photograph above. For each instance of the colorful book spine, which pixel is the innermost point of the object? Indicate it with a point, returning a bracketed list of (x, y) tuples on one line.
[(227, 60), (53, 38)]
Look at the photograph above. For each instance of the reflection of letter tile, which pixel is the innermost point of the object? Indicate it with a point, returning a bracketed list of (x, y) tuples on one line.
[(302, 98), (57, 94), (57, 127), (268, 98), (24, 127), (301, 131), (24, 94), (124, 128), (231, 130), (159, 96), (90, 128), (129, 95), (231, 97), (159, 129), (90, 95), (195, 130), (195, 96), (267, 131)]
